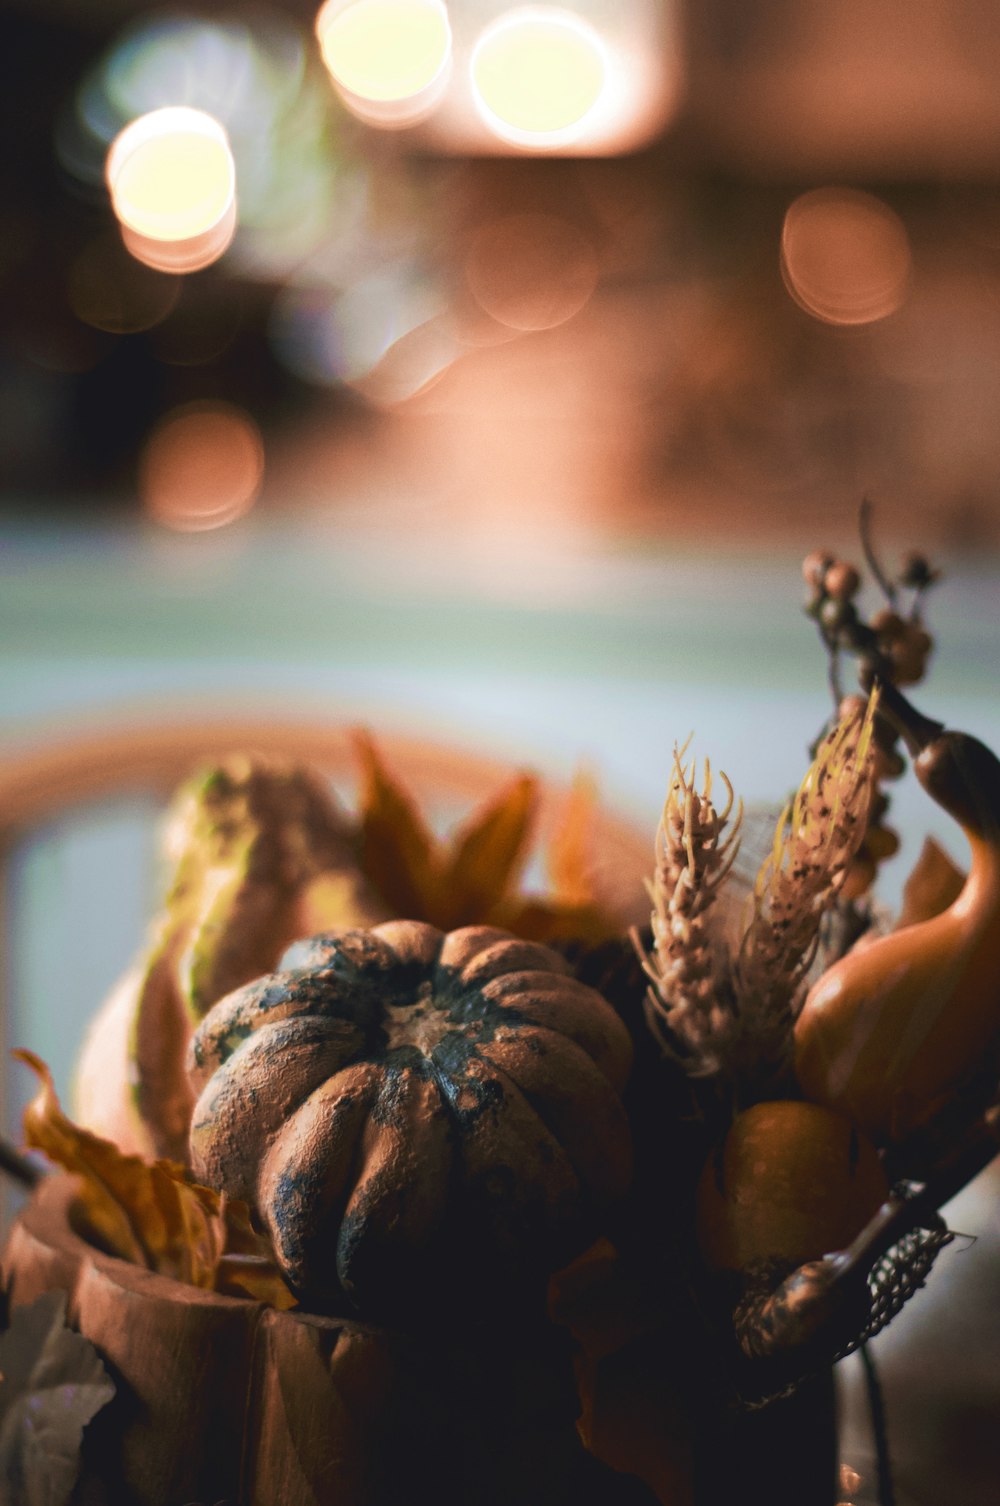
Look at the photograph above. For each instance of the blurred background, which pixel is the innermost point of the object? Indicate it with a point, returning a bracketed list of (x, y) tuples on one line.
[(481, 373)]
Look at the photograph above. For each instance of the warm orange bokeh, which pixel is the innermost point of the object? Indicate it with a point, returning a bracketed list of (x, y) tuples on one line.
[(531, 271), (845, 256), (202, 467)]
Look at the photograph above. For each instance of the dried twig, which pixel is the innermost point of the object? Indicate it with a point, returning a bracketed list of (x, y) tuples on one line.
[(868, 549)]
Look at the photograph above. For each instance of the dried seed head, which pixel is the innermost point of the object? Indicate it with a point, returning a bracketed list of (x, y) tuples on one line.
[(694, 854), (816, 840)]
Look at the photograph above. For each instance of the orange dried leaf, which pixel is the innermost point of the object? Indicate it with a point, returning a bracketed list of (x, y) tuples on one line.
[(540, 920), (398, 853), (570, 855), (486, 854)]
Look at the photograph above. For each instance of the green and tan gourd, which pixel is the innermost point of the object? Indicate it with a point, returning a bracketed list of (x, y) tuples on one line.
[(260, 855), (895, 1030)]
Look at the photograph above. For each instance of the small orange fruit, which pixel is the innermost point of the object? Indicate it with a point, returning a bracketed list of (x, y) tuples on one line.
[(793, 1181)]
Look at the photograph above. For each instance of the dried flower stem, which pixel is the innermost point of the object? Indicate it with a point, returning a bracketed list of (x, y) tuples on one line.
[(886, 586), (693, 859)]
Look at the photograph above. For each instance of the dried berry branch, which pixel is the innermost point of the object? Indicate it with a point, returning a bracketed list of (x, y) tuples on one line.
[(891, 647)]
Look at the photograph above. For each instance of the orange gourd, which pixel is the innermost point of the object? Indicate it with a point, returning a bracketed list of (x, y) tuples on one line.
[(894, 1031)]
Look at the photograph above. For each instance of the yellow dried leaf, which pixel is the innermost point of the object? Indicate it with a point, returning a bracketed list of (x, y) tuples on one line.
[(486, 854), (254, 1276), (115, 1189), (397, 849), (569, 861), (147, 1211)]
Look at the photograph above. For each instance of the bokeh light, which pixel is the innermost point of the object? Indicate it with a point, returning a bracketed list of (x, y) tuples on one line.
[(172, 181), (388, 58), (202, 467), (845, 256), (537, 73), (253, 77), (341, 336), (412, 364), (531, 271)]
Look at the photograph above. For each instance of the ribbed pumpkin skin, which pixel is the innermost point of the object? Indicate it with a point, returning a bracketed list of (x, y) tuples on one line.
[(414, 1114)]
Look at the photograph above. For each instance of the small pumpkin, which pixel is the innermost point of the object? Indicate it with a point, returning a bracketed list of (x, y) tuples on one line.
[(414, 1114), (793, 1181)]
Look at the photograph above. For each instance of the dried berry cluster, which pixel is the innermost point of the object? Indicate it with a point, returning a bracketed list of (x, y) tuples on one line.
[(891, 646)]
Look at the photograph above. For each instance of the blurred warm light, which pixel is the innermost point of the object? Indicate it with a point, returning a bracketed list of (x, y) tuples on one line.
[(343, 336), (388, 58), (182, 256), (537, 73), (251, 76), (413, 364), (531, 271), (845, 256), (202, 467), (850, 1480), (172, 181), (109, 290)]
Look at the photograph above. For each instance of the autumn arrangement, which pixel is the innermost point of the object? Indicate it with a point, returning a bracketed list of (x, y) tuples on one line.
[(610, 1191)]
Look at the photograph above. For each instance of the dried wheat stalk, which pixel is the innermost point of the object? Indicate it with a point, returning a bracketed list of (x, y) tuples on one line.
[(816, 838), (732, 1015), (693, 857)]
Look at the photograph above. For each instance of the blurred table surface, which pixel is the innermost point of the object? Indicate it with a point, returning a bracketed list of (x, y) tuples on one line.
[(580, 650)]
